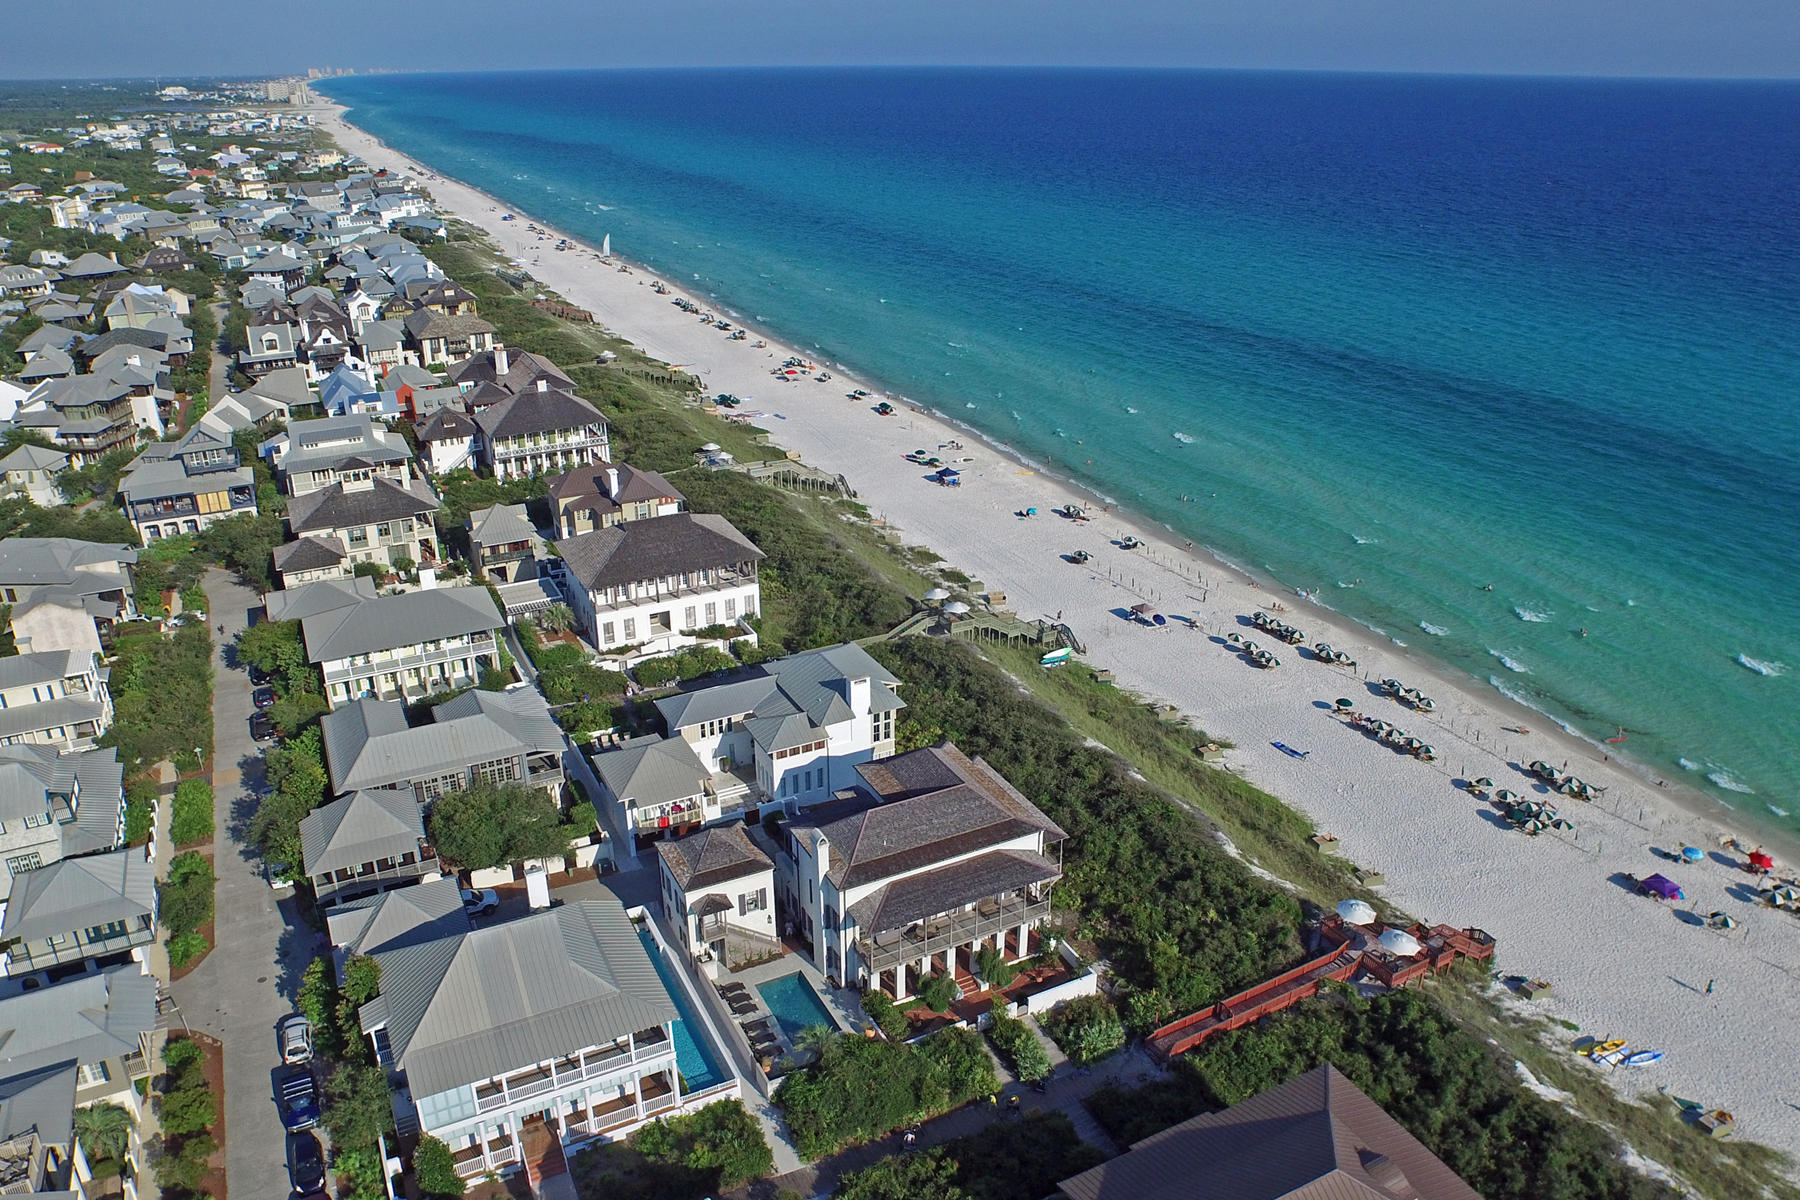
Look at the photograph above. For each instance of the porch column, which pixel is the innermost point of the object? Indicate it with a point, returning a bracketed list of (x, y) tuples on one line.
[(1024, 938), (637, 1094)]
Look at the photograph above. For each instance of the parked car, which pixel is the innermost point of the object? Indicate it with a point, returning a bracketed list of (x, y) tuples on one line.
[(299, 1102), (263, 697), (258, 676), (262, 726), (305, 1162), (480, 903), (296, 1041)]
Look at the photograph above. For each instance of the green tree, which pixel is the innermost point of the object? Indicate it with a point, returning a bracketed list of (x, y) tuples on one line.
[(277, 648), (881, 1009), (185, 898), (246, 544), (104, 1131), (1087, 1028), (189, 1110), (904, 1177), (358, 1108), (296, 770), (1018, 1045), (558, 618), (938, 992), (993, 968), (492, 825), (435, 1168)]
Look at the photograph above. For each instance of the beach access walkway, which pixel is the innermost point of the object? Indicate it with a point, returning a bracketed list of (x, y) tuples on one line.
[(1348, 952), (984, 626)]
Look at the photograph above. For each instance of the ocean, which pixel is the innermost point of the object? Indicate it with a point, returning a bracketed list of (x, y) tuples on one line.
[(1505, 369)]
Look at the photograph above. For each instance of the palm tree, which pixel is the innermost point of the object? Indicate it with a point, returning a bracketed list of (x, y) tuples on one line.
[(104, 1131), (819, 1039), (558, 618)]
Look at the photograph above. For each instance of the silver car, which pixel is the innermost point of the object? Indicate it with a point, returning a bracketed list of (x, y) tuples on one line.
[(296, 1040)]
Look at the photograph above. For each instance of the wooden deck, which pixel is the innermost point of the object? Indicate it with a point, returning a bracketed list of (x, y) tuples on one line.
[(1441, 946)]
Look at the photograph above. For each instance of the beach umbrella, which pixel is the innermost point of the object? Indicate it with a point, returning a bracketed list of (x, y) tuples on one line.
[(1484, 782), (1692, 853), (1355, 912), (1761, 861), (1399, 943), (956, 608), (1725, 922), (1345, 704), (937, 594), (710, 448)]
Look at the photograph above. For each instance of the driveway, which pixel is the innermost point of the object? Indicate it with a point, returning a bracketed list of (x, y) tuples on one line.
[(244, 987)]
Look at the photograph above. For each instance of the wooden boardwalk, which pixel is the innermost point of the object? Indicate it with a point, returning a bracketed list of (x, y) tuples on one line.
[(1441, 946)]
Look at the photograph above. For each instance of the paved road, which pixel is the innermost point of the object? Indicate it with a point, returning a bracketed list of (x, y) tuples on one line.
[(245, 985)]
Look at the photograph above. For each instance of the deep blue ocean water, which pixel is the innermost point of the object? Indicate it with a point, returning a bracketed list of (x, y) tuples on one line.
[(1418, 335)]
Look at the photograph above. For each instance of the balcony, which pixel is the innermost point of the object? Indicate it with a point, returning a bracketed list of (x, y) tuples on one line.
[(720, 581), (348, 882), (22, 958), (895, 948)]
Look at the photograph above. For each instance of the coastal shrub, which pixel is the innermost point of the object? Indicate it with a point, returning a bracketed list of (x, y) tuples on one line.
[(1183, 923), (140, 810), (958, 1060), (184, 948), (434, 1166), (880, 1008), (993, 968), (19, 517), (245, 543), (656, 672), (860, 1088), (938, 992), (1008, 1160), (1087, 1028), (1018, 1046), (191, 815), (185, 903), (162, 696), (1446, 1086)]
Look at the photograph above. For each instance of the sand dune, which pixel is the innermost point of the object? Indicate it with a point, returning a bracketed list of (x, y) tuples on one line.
[(1621, 965)]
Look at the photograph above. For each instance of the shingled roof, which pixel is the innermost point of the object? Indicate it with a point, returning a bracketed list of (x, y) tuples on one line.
[(712, 856), (654, 548), (340, 507), (928, 806), (1315, 1137), (537, 412)]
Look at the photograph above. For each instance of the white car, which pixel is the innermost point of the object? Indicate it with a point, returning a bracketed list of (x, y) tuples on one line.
[(480, 903)]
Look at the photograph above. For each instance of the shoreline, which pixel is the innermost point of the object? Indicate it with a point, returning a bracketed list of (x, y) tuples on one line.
[(1444, 862)]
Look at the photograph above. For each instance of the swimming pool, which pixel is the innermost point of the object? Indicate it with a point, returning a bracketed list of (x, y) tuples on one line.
[(794, 1004), (698, 1070)]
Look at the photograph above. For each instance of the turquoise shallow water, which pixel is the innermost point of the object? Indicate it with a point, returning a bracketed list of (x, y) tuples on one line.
[(1394, 338)]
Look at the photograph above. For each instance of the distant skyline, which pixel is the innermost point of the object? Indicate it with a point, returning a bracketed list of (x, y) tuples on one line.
[(1680, 38)]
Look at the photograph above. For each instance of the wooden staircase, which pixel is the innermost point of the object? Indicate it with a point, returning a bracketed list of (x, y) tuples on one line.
[(543, 1153)]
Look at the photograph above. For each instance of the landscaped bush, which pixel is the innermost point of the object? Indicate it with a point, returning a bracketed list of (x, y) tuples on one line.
[(938, 992), (705, 1153), (1009, 1160), (656, 672), (191, 816), (185, 904), (993, 968), (881, 1009), (1018, 1046), (861, 1088), (434, 1166), (1087, 1028), (140, 810), (162, 697)]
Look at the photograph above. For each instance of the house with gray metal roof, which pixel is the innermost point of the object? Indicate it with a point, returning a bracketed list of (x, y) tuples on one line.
[(479, 737), (53, 698), (717, 888), (56, 806), (530, 1038), (83, 1041), (94, 576), (397, 646), (932, 859), (270, 348), (313, 455), (424, 912), (644, 588), (185, 486), (1315, 1137), (503, 543), (30, 471), (99, 907), (369, 841)]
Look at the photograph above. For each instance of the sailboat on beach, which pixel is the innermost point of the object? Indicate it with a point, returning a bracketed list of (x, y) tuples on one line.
[(606, 246)]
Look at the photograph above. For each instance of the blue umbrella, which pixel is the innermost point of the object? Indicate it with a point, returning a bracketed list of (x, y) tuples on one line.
[(1692, 853)]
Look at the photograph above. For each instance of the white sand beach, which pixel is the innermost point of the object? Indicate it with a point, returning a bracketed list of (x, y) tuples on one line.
[(1725, 1007)]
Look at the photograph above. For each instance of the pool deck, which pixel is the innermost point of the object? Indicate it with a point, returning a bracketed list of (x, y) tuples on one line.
[(844, 1004)]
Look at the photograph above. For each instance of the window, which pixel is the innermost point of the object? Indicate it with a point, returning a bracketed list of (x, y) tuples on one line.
[(112, 929), (750, 902), (630, 629), (95, 1073), (18, 864), (36, 820), (687, 617), (881, 727), (712, 613), (749, 606), (359, 536), (499, 770), (731, 609), (606, 633)]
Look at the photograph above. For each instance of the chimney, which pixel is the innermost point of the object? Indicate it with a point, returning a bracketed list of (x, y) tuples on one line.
[(113, 254), (612, 482), (499, 362), (543, 385)]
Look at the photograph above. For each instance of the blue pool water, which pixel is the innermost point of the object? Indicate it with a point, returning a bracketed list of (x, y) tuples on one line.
[(691, 1058), (794, 1005)]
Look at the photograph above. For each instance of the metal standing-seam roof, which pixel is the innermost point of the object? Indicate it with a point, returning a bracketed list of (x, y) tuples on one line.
[(523, 713), (405, 916), (368, 744), (475, 1005), (84, 1020), (80, 893), (400, 619), (810, 682), (367, 825), (1315, 1137), (652, 771)]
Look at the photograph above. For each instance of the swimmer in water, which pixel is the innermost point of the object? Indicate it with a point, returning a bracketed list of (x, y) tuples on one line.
[(1488, 588), (1584, 633)]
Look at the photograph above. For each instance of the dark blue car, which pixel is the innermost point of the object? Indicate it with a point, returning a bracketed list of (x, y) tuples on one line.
[(299, 1102)]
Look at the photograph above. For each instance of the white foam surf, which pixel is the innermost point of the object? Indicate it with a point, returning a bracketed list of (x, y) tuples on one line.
[(1531, 615), (1762, 666), (1723, 778), (1433, 630)]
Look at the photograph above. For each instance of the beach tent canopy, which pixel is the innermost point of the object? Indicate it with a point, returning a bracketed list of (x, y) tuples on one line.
[(956, 608), (1399, 943), (936, 594), (1660, 885), (1761, 861), (1355, 912), (710, 448), (1144, 609)]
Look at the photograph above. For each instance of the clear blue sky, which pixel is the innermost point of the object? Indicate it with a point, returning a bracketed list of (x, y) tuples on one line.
[(100, 38)]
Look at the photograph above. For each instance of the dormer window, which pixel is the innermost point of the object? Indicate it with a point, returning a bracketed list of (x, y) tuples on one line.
[(270, 343)]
